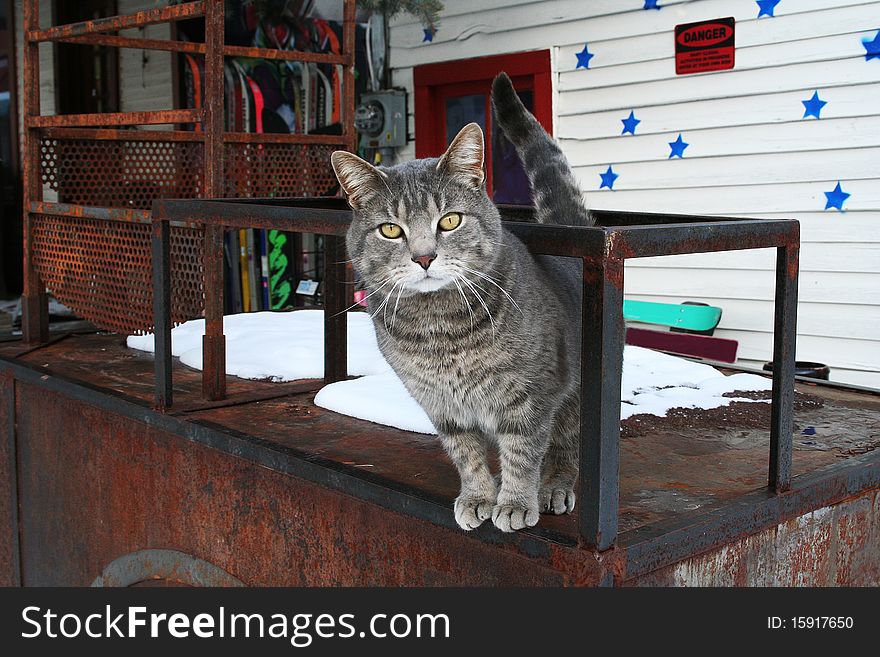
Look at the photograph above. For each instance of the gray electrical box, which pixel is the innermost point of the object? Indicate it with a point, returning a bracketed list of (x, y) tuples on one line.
[(381, 119)]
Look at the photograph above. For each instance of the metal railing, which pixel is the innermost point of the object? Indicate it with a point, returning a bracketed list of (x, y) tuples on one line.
[(603, 250)]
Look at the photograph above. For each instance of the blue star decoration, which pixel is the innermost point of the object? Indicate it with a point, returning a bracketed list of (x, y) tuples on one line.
[(836, 197), (766, 7), (608, 178), (629, 124), (872, 48), (429, 35), (651, 4), (813, 107), (584, 57), (677, 147)]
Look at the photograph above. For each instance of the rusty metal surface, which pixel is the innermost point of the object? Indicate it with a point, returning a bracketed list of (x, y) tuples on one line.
[(134, 486), (270, 169), (681, 488), (165, 567), (668, 470), (9, 555), (121, 173), (92, 163), (832, 546), (155, 117), (180, 11), (101, 269), (34, 305)]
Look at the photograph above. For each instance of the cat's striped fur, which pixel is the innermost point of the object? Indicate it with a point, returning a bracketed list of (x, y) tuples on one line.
[(487, 336)]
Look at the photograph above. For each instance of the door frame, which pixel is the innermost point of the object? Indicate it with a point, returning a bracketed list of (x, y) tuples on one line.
[(434, 82)]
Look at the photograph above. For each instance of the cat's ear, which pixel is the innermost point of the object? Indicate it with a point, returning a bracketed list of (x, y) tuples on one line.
[(464, 157), (359, 179)]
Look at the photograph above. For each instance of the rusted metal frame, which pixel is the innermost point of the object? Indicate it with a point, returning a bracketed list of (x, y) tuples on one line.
[(348, 50), (114, 134), (213, 342), (672, 541), (631, 218), (115, 23), (136, 43), (161, 256), (34, 302), (91, 212), (570, 241), (335, 317), (244, 214), (277, 391), (123, 215), (291, 55), (702, 237), (7, 385), (48, 342), (155, 117), (282, 138), (358, 483), (784, 342), (601, 370)]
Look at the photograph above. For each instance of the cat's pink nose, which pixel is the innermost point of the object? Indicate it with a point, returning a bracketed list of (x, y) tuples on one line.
[(425, 260)]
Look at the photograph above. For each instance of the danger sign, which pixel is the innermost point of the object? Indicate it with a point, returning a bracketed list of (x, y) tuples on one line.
[(704, 46)]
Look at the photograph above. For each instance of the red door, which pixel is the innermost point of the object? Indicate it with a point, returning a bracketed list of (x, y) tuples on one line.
[(450, 95)]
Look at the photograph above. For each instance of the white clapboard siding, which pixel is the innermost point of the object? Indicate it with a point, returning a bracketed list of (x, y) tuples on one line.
[(855, 258), (708, 171), (785, 29), (804, 51), (144, 85), (851, 101), (719, 85), (562, 22), (47, 62), (790, 198), (751, 151), (847, 228), (834, 136), (814, 287)]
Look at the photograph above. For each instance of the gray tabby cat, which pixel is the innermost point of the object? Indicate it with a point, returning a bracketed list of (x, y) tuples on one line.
[(483, 334)]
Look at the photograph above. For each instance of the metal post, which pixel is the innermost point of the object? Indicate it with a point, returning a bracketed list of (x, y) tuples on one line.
[(335, 320), (601, 371), (161, 253), (784, 342), (214, 342), (348, 50), (34, 302)]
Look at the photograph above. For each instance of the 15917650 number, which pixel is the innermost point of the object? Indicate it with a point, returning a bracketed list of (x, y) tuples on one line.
[(821, 622)]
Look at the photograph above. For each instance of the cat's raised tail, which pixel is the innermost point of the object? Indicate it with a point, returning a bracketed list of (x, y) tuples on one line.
[(558, 198)]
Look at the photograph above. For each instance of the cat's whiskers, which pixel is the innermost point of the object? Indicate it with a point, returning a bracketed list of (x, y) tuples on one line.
[(396, 303), (357, 303), (385, 301), (493, 282), (467, 303), (482, 303)]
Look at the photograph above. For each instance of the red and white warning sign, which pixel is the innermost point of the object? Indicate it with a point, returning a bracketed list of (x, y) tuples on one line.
[(704, 46)]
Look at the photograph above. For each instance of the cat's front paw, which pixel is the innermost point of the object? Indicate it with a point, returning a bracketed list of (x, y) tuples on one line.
[(557, 498), (471, 510), (511, 517)]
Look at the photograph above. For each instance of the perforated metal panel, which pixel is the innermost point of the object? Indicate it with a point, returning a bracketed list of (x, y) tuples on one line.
[(267, 170), (102, 270), (121, 173)]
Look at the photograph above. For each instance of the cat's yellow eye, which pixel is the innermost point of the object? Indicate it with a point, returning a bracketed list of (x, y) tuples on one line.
[(450, 221), (391, 231)]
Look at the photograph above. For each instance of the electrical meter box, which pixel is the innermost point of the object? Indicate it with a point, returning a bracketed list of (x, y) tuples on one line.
[(381, 119)]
